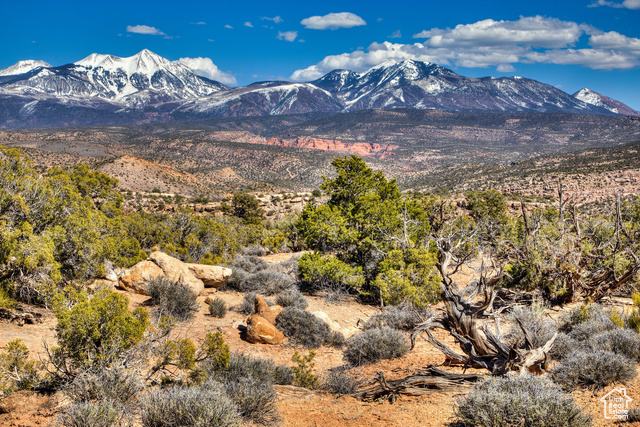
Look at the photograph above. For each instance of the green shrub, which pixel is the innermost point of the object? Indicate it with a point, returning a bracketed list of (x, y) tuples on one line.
[(320, 273), (292, 298), (17, 372), (172, 299), (305, 329), (218, 308), (594, 369), (531, 401), (374, 344), (95, 330), (303, 375), (189, 406), (408, 275)]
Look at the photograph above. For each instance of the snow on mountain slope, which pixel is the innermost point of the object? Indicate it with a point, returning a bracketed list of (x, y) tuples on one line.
[(141, 79), (22, 67), (415, 84), (594, 98)]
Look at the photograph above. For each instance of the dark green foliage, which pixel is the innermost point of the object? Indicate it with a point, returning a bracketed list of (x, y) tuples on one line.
[(489, 205), (292, 298), (305, 329), (189, 407), (374, 344), (319, 273), (88, 414), (247, 208), (95, 330), (531, 401), (172, 299), (303, 375), (594, 369), (218, 308), (404, 317)]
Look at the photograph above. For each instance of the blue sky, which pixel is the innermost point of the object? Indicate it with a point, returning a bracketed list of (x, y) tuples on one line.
[(569, 44)]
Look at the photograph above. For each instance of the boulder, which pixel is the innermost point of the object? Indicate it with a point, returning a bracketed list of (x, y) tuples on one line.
[(212, 276), (177, 271), (265, 311), (333, 325), (260, 331), (136, 278)]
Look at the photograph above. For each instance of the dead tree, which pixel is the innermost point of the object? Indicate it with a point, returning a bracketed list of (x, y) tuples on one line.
[(480, 346)]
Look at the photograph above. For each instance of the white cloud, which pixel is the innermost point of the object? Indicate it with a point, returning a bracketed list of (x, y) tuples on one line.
[(333, 21), (505, 68), (275, 19), (206, 68), (144, 29), (490, 43), (287, 35), (248, 24), (395, 35), (200, 23), (228, 27), (629, 4), (531, 31)]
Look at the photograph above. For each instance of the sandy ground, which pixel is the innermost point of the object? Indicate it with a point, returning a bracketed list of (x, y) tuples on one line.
[(298, 407)]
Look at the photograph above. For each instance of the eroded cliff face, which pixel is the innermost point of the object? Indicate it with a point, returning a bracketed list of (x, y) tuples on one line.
[(359, 148)]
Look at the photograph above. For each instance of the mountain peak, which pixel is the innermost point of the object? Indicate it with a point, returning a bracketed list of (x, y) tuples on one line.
[(594, 98), (22, 67)]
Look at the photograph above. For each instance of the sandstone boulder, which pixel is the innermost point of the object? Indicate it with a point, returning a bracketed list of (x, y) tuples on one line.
[(260, 331), (265, 311), (136, 278), (212, 276), (177, 271)]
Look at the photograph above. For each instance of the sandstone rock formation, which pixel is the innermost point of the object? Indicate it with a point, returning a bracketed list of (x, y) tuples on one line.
[(265, 311), (177, 271), (136, 278), (212, 276), (159, 264), (260, 331)]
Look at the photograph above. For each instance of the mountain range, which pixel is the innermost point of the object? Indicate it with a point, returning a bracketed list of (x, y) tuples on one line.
[(105, 89)]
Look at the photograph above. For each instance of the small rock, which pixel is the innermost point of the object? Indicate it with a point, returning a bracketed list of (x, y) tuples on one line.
[(260, 331), (207, 300), (265, 311)]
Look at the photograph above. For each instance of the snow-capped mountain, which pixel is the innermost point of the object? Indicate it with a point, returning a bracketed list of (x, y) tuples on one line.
[(415, 84), (22, 67), (594, 98), (263, 99), (139, 80), (106, 89)]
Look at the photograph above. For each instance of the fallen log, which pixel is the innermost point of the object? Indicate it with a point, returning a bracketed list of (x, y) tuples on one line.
[(431, 380)]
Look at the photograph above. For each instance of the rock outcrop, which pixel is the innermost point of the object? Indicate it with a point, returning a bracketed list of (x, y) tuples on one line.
[(136, 278), (177, 271), (260, 331), (212, 276), (159, 264)]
